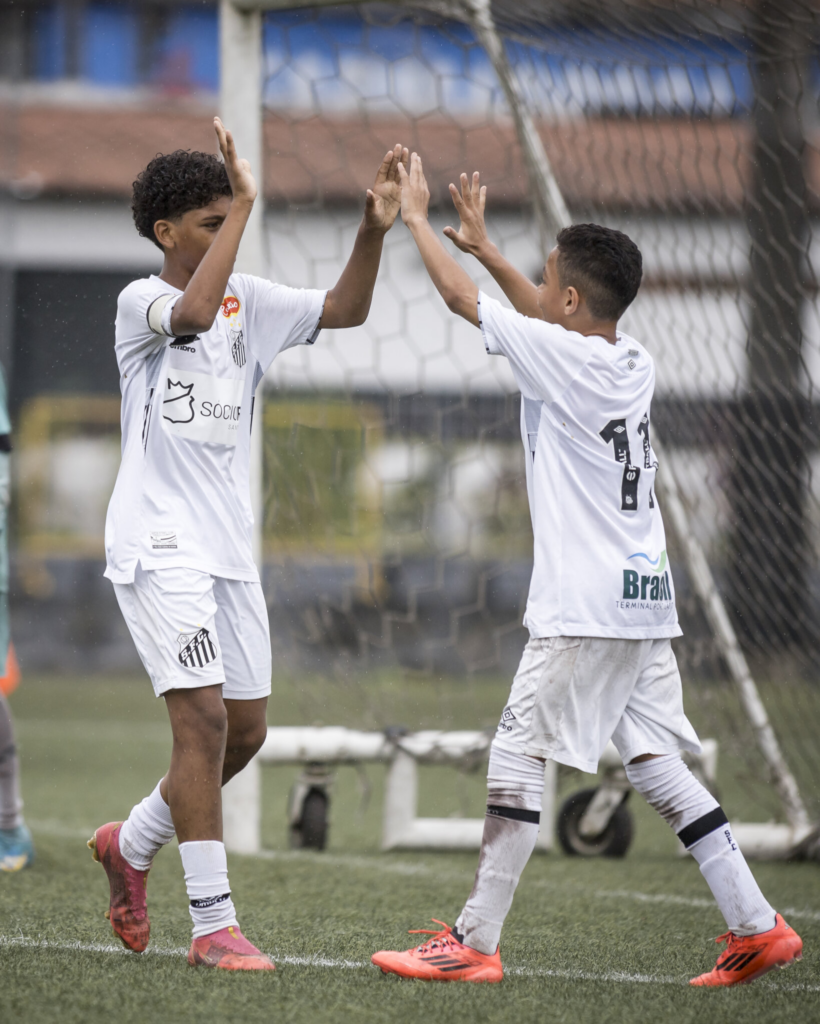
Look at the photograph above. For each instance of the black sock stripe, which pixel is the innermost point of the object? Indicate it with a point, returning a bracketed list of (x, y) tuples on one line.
[(210, 901), (705, 825), (514, 814)]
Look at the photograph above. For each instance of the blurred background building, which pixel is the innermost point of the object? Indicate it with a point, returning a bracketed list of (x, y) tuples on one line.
[(395, 515)]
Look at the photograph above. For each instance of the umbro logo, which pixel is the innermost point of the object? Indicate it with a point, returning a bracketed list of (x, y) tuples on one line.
[(196, 651), (210, 901), (506, 719)]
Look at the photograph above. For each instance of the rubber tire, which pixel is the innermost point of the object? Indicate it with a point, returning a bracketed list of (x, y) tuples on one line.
[(615, 839), (310, 832)]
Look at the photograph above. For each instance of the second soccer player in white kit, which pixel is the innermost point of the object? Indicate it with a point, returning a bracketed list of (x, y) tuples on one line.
[(601, 606)]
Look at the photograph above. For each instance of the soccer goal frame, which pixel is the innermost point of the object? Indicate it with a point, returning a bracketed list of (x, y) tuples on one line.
[(241, 104)]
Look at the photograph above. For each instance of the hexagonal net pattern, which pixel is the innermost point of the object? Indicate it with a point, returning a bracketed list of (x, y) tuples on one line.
[(397, 535)]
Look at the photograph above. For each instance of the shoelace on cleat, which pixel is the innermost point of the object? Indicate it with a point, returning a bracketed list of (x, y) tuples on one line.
[(731, 940), (440, 940)]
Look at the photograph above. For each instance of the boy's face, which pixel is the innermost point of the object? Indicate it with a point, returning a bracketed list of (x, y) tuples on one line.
[(557, 304), (186, 239)]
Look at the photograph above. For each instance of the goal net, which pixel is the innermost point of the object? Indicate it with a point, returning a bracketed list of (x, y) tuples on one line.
[(396, 536)]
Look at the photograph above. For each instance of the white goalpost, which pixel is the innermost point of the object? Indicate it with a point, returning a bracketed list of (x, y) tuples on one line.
[(241, 104)]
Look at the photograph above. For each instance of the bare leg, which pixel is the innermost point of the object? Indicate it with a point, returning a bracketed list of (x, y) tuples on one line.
[(197, 725), (247, 728), (191, 788)]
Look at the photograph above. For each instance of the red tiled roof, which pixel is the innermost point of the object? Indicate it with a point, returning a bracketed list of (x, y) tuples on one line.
[(685, 165)]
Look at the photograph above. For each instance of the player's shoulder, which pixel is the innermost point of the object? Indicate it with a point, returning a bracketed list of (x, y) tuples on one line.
[(249, 288), (142, 288), (504, 316), (631, 349)]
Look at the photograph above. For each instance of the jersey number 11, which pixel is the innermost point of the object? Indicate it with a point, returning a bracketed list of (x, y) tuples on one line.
[(615, 433)]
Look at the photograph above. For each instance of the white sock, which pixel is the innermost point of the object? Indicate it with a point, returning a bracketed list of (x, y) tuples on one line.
[(148, 828), (206, 878), (699, 821), (515, 785), (733, 885)]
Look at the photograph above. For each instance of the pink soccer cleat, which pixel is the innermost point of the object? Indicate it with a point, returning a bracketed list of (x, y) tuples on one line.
[(228, 950), (127, 910)]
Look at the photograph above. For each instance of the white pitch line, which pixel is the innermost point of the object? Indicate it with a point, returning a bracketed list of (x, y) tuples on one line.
[(693, 901), (616, 977), (83, 947)]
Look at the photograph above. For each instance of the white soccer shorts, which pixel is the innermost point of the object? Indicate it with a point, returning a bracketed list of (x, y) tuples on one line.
[(192, 629), (571, 695)]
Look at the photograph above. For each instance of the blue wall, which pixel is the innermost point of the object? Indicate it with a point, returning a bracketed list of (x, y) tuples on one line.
[(332, 61)]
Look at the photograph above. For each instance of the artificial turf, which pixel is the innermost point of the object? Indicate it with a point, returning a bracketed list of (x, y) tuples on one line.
[(587, 940)]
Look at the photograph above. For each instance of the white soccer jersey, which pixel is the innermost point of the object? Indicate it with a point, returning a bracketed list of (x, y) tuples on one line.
[(600, 566), (182, 497)]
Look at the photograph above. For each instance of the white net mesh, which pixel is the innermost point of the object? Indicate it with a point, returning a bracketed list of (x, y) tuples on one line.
[(397, 534)]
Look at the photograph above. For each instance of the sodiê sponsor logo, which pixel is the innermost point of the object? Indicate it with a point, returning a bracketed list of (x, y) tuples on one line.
[(200, 407)]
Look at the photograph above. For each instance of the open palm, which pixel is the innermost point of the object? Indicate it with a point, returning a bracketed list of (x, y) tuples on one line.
[(384, 198)]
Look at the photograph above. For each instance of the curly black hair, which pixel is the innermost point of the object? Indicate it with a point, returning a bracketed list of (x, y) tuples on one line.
[(173, 184), (604, 265)]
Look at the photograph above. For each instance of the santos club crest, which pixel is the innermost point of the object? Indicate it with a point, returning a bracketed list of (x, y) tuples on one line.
[(238, 346), (197, 650)]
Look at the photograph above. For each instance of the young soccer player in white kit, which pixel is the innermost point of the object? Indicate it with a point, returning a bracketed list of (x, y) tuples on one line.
[(192, 345), (601, 607)]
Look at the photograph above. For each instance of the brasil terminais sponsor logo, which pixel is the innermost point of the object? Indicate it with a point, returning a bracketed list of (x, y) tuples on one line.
[(648, 582)]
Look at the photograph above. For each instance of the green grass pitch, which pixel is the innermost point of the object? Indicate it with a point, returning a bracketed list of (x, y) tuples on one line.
[(586, 941)]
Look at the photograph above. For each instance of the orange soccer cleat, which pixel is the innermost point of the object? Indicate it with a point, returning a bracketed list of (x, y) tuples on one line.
[(127, 911), (442, 958), (748, 957), (229, 950)]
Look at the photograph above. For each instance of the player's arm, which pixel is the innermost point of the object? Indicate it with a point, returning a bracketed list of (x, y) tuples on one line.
[(472, 237), (348, 302), (196, 309), (452, 281)]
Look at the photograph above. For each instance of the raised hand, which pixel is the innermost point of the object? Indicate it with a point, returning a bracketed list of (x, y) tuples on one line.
[(471, 236), (243, 185), (415, 195), (384, 199)]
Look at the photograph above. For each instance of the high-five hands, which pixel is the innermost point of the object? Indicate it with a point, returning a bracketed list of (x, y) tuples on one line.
[(243, 185), (415, 195), (384, 199), (471, 236)]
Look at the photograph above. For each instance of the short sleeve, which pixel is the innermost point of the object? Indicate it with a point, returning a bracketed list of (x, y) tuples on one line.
[(143, 320), (278, 317), (545, 358)]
